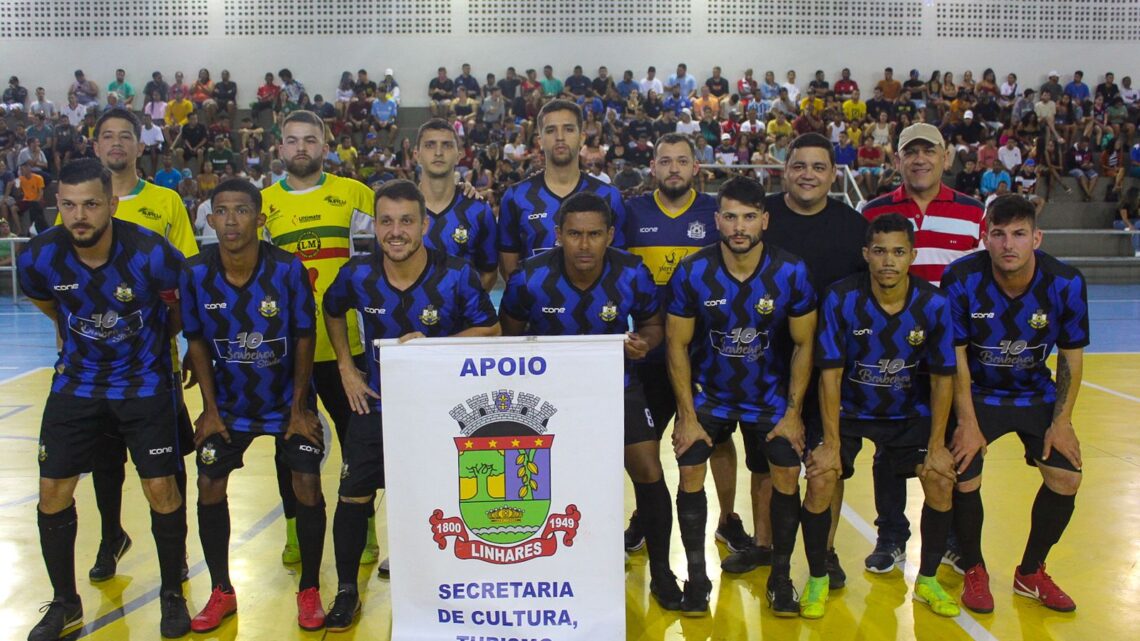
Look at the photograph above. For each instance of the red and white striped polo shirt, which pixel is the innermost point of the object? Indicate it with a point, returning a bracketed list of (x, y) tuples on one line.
[(951, 227)]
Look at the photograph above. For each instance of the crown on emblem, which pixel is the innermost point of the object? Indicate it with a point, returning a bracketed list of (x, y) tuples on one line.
[(499, 406)]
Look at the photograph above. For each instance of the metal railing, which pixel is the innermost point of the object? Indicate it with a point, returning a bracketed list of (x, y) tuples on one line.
[(846, 177), (13, 249)]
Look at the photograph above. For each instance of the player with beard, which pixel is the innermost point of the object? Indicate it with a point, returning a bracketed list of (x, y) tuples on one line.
[(310, 213), (403, 291), (111, 288), (526, 216)]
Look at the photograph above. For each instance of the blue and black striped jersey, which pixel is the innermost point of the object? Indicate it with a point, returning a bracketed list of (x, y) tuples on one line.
[(112, 319), (465, 229), (540, 294), (885, 357), (446, 299), (741, 348), (1008, 339), (526, 215), (252, 332)]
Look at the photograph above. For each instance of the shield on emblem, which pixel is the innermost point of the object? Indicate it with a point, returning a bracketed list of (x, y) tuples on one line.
[(504, 481)]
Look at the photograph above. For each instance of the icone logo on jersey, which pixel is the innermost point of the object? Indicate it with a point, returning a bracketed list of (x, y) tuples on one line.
[(648, 230), (215, 306), (537, 216), (67, 287), (863, 332), (553, 310), (380, 311), (982, 315), (714, 303)]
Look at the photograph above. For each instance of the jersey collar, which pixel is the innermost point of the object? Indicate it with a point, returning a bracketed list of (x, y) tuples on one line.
[(136, 191), (944, 194), (679, 212), (285, 184)]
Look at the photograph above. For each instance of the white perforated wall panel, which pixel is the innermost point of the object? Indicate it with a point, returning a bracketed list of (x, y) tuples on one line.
[(581, 16), (889, 18), (102, 18)]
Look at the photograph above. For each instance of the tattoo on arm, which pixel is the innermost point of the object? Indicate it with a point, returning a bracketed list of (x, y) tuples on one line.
[(1064, 379)]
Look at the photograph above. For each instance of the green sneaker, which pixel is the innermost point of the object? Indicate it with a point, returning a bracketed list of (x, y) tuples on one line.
[(928, 590), (292, 551), (813, 603), (371, 552)]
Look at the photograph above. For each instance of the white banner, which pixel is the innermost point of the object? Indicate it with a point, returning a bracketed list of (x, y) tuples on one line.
[(504, 468)]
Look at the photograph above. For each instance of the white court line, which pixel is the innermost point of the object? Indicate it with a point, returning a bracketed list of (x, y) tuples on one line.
[(1106, 390)]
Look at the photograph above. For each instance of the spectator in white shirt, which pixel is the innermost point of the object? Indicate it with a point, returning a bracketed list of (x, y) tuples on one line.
[(651, 81)]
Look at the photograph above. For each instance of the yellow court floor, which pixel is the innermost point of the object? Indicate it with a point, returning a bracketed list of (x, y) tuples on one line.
[(1096, 561)]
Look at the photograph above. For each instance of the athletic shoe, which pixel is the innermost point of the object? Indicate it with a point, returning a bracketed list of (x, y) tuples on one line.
[(952, 558), (291, 553), (663, 588), (175, 620), (814, 601), (107, 559), (747, 559), (634, 536), (732, 534), (61, 616), (884, 557), (385, 570), (1040, 586), (782, 596), (184, 573), (976, 590), (221, 606), (310, 612), (836, 577), (371, 553), (345, 607), (695, 602), (928, 590)]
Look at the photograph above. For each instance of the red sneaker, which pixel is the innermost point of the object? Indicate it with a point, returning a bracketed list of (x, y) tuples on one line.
[(310, 613), (1040, 586), (220, 606), (976, 590)]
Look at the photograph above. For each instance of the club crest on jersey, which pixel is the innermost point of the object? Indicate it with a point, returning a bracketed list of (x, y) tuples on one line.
[(124, 294), (1039, 319), (460, 235), (609, 312), (430, 316), (208, 455), (268, 307), (308, 244), (765, 306), (916, 336), (696, 230)]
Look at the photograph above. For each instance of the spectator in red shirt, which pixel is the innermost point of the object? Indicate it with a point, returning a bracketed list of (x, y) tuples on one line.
[(845, 85), (266, 96)]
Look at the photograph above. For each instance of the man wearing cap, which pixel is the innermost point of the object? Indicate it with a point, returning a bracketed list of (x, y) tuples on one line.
[(390, 86), (687, 126), (947, 225), (1053, 85), (968, 135)]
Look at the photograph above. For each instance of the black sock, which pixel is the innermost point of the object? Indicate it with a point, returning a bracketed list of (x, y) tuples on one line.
[(816, 527), (934, 527), (1051, 514), (285, 482), (169, 532), (785, 510), (311, 521), (692, 517), (655, 511), (968, 517), (214, 531), (108, 484), (57, 543), (350, 523)]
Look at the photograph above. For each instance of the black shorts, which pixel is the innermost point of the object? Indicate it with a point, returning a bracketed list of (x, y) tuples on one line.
[(1030, 424), (759, 453), (659, 397), (362, 453), (112, 450), (638, 419), (72, 431), (902, 443), (217, 458)]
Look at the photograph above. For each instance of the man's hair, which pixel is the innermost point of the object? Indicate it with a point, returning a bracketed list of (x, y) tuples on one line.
[(585, 201), (121, 114), (285, 73), (1010, 209), (303, 116), (560, 105), (887, 224), (404, 190), (810, 140), (683, 66), (77, 172), (674, 138), (238, 185), (742, 189), (652, 68), (435, 124)]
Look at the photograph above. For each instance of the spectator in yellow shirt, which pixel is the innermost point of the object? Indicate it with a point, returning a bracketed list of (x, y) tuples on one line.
[(854, 109), (179, 108)]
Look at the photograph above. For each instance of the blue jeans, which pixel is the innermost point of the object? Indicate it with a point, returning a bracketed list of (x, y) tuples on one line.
[(1119, 224)]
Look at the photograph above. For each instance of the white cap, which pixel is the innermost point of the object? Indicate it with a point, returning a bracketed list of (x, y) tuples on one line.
[(686, 110), (388, 71), (726, 136), (1054, 74), (969, 114)]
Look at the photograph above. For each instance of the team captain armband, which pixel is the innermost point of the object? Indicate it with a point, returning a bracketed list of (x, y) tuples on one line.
[(169, 296)]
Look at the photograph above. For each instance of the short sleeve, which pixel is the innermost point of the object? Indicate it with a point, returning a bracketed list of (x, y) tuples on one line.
[(478, 311), (959, 304), (618, 208), (508, 227), (940, 355), (681, 300), (486, 255), (803, 294), (181, 233), (363, 198), (32, 282), (338, 297), (191, 323), (830, 350), (647, 302), (1074, 315), (302, 306), (166, 267), (512, 303)]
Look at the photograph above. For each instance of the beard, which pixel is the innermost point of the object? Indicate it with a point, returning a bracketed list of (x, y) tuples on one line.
[(673, 193), (752, 242), (96, 236), (303, 169), (117, 166)]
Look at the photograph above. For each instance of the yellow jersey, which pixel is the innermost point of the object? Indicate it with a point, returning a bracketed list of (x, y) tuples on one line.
[(315, 224), (161, 211)]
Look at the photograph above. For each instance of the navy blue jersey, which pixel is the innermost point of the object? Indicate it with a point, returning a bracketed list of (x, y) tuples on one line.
[(540, 294), (526, 216), (465, 229), (1007, 340), (252, 331), (885, 357), (112, 318), (446, 299), (663, 238), (741, 346)]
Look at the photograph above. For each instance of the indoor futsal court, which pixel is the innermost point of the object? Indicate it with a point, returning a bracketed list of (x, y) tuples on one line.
[(1096, 561)]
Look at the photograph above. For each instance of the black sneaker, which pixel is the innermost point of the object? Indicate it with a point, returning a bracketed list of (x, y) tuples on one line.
[(175, 620), (61, 616), (747, 559), (184, 576), (384, 570), (107, 559), (695, 601), (884, 557), (782, 596), (343, 613), (836, 577), (634, 537), (732, 534), (663, 588)]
